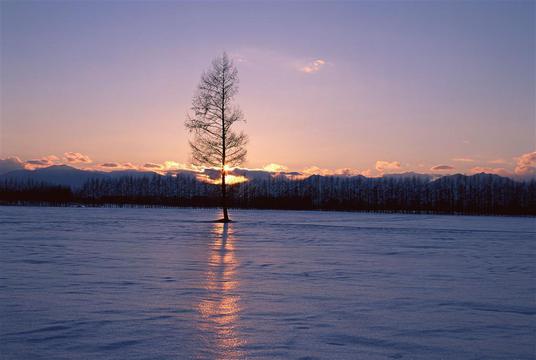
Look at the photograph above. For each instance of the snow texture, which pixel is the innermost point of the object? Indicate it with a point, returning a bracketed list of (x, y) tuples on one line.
[(97, 283)]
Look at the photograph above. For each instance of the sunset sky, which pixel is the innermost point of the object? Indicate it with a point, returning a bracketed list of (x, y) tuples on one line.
[(371, 86)]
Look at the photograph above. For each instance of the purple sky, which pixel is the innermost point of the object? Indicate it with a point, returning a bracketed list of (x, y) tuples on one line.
[(372, 86)]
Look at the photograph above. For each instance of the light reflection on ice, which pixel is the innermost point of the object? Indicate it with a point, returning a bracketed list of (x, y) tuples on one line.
[(221, 308)]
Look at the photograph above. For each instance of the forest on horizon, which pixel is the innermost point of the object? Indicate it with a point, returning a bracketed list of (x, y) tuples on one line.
[(476, 194)]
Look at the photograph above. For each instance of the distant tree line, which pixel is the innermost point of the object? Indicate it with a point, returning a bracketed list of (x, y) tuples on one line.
[(477, 194), (13, 191)]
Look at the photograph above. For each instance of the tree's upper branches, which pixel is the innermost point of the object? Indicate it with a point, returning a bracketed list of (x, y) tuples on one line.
[(213, 115)]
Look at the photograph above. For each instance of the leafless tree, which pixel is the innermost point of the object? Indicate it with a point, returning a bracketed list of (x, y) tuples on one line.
[(215, 143)]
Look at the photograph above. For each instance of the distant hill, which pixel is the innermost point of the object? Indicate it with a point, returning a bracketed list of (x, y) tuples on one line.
[(67, 175), (75, 178)]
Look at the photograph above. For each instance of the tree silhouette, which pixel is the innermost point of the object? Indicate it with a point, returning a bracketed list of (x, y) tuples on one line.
[(214, 143)]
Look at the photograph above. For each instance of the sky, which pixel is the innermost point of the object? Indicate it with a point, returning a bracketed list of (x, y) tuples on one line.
[(326, 87)]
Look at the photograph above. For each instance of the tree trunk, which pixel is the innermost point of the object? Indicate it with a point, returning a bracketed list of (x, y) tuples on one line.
[(224, 197)]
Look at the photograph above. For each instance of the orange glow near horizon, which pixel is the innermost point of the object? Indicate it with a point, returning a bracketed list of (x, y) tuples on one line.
[(233, 179), (229, 178)]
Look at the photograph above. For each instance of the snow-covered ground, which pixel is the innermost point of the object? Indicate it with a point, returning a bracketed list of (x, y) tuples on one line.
[(95, 283)]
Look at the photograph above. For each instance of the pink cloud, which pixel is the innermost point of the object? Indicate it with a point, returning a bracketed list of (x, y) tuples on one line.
[(75, 157), (526, 164), (442, 168), (114, 166), (387, 166), (313, 67), (128, 166), (166, 166), (488, 170), (42, 162), (463, 160)]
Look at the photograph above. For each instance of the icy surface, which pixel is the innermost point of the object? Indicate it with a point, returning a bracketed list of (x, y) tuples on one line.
[(81, 283)]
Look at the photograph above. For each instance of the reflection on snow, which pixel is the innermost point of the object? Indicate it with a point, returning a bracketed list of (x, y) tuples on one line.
[(221, 308)]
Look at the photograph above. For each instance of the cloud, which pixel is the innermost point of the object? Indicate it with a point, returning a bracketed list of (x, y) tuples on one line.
[(153, 166), (170, 165), (236, 175), (39, 162), (488, 170), (275, 168), (367, 173), (313, 66), (167, 167), (10, 164), (347, 172), (114, 166), (44, 161), (52, 158), (526, 164), (110, 165), (384, 166), (442, 168), (128, 166), (463, 160), (75, 157), (315, 170), (498, 161)]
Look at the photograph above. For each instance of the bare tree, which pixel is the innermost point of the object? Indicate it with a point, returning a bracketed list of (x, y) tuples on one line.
[(214, 143)]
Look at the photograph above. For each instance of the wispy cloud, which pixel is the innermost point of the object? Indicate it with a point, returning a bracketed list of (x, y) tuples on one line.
[(114, 166), (313, 66), (442, 168), (466, 160), (168, 166), (526, 164), (76, 157), (262, 58)]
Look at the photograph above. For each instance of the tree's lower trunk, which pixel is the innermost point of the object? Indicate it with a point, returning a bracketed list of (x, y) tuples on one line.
[(224, 197)]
